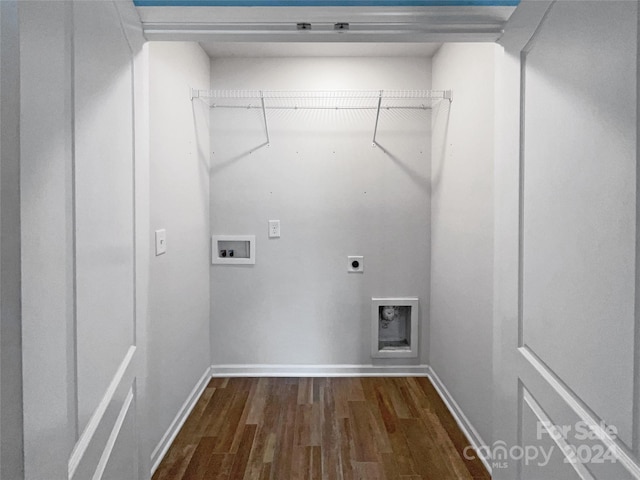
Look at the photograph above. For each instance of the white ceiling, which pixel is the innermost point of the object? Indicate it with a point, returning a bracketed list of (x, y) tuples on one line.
[(308, 49)]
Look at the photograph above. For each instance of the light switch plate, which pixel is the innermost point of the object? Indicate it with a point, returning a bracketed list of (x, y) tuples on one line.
[(161, 242)]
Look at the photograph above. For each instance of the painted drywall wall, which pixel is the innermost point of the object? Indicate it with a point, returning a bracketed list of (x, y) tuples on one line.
[(11, 444), (178, 334), (77, 203), (335, 196), (462, 229)]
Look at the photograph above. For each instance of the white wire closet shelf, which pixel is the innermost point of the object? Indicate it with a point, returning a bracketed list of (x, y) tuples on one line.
[(323, 100)]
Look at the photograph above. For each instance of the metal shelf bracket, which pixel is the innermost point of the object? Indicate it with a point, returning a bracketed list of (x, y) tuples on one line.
[(264, 116)]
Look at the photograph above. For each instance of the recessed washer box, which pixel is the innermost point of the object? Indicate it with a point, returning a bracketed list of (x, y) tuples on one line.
[(394, 327), (233, 249)]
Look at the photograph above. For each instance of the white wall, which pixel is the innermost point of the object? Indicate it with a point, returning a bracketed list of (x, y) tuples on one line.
[(335, 196), (462, 229), (11, 449), (178, 334)]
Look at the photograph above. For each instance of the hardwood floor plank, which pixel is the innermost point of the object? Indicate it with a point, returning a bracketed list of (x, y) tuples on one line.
[(305, 391), (300, 462), (218, 382), (363, 433), (231, 422), (347, 450), (214, 414), (242, 457), (319, 429), (369, 471), (256, 407), (251, 398), (200, 459), (316, 463), (445, 445), (425, 454), (192, 424), (284, 446), (437, 406), (173, 469), (266, 472), (400, 407), (402, 453), (219, 467), (330, 442), (369, 386), (340, 389), (266, 429), (356, 393)]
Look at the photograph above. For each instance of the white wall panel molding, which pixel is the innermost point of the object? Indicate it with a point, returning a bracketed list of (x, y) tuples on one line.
[(561, 442), (567, 335), (182, 415), (597, 425), (318, 370), (113, 437), (92, 436)]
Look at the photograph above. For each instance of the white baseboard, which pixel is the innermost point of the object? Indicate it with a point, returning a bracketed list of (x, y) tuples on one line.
[(461, 419), (319, 371), (167, 439)]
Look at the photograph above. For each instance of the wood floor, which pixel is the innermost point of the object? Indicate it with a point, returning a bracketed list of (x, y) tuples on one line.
[(319, 428)]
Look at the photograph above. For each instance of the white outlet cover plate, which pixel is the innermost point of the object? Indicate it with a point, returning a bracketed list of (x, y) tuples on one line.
[(274, 228), (359, 268), (161, 242)]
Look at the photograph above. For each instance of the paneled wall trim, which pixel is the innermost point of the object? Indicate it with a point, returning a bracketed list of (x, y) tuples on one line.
[(79, 325), (568, 336)]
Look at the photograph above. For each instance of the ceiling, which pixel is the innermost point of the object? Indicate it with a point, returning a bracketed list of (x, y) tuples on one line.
[(306, 49)]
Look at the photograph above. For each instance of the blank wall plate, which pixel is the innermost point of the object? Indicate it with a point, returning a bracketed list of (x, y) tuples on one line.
[(161, 242), (355, 264)]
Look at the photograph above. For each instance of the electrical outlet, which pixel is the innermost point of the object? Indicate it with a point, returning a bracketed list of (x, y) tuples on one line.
[(355, 264), (274, 228)]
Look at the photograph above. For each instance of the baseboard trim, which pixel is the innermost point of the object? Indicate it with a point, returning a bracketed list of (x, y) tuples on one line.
[(167, 439), (319, 371), (461, 419)]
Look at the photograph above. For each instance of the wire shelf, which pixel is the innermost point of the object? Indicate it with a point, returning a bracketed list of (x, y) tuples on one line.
[(322, 99)]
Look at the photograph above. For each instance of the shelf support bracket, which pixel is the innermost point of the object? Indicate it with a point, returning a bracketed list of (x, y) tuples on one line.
[(264, 116), (375, 129)]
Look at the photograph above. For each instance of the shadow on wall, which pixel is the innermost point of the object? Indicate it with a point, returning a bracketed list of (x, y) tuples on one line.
[(421, 181), (227, 163), (200, 117), (441, 117)]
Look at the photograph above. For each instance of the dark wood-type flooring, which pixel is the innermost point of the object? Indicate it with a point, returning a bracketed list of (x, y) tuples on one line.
[(319, 428)]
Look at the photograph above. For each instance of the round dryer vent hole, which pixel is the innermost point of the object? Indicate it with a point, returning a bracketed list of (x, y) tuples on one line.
[(355, 264)]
